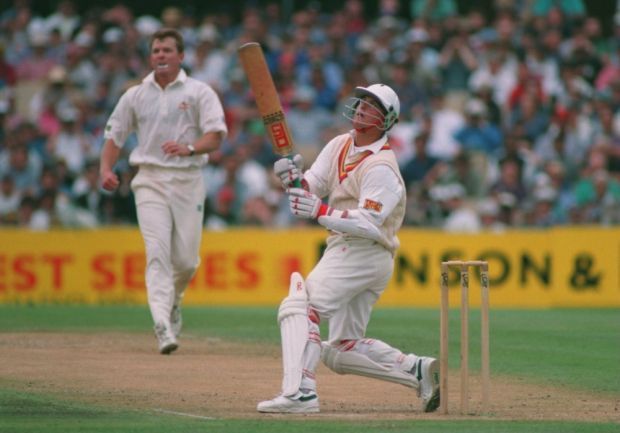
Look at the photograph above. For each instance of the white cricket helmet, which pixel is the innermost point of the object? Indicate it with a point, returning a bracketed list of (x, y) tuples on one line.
[(386, 96)]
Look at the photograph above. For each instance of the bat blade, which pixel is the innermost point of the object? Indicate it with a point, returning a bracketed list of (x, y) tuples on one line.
[(267, 99)]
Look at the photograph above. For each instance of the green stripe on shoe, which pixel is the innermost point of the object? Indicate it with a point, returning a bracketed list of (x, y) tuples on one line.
[(307, 397)]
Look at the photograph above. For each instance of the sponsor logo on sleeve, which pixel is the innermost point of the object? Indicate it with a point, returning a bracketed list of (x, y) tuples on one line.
[(373, 205)]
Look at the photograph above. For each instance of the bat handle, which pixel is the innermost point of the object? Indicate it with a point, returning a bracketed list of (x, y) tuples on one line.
[(296, 182)]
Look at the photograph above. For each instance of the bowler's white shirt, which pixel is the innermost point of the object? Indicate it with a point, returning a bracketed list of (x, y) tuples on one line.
[(184, 111)]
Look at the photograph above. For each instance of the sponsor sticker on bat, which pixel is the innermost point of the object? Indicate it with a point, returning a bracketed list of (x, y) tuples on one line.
[(280, 137)]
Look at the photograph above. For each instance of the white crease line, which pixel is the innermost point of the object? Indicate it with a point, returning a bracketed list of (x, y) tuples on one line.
[(190, 415)]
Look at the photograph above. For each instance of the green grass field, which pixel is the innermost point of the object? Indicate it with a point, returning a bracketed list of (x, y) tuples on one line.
[(574, 348)]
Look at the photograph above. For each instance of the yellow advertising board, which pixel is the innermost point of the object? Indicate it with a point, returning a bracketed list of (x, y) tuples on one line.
[(563, 267)]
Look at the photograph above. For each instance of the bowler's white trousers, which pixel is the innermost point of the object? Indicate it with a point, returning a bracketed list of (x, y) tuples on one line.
[(170, 207), (344, 286)]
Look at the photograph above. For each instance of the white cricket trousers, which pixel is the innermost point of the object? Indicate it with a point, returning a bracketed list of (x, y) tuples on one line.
[(346, 283), (170, 207)]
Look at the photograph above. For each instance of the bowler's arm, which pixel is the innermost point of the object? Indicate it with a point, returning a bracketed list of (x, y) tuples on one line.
[(207, 143), (109, 156)]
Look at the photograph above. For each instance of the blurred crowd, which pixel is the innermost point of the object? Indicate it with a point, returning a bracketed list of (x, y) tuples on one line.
[(509, 117)]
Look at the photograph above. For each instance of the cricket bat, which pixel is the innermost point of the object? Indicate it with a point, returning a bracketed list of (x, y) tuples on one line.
[(267, 99)]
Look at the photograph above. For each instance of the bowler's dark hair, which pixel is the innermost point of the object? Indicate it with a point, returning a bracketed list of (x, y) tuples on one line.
[(169, 33)]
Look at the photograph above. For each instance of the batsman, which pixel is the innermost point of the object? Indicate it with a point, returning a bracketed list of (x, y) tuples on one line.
[(358, 176)]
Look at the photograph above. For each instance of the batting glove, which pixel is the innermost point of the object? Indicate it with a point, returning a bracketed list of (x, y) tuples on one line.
[(304, 204), (289, 170)]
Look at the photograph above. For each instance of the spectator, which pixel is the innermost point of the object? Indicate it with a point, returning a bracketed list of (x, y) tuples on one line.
[(413, 95), (510, 182), (210, 63), (26, 215), (122, 202), (44, 217), (580, 49), (256, 144), (460, 215), (87, 192), (605, 129), (28, 135), (527, 84), (446, 120), (481, 144), (65, 178), (436, 10), (8, 80), (610, 70), (457, 61), (22, 164), (498, 68), (545, 67), (555, 176), (65, 19), (55, 208), (225, 201), (489, 211), (402, 136), (355, 23), (326, 92), (574, 87), (321, 72), (422, 166), (56, 95), (4, 115), (82, 74), (571, 8), (16, 21), (567, 139), (423, 59), (529, 116), (71, 143), (541, 210), (56, 46), (10, 198), (307, 123), (598, 198), (220, 213), (478, 134), (38, 65)]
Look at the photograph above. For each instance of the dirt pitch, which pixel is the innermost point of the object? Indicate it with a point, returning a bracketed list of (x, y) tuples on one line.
[(214, 378)]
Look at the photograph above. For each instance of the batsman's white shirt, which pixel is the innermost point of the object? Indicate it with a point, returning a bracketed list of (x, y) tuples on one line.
[(169, 190), (353, 272)]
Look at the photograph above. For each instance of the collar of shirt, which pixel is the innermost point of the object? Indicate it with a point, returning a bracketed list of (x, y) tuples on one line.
[(373, 147), (181, 77)]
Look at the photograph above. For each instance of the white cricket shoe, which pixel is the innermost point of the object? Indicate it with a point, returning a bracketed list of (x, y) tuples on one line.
[(176, 320), (166, 339), (427, 374), (298, 403)]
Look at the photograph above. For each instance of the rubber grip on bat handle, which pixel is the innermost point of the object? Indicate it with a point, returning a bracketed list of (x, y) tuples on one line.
[(296, 182)]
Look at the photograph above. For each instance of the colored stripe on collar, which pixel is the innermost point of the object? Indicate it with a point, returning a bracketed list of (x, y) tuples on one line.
[(346, 165)]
